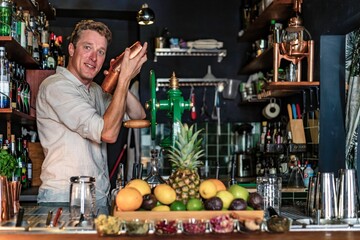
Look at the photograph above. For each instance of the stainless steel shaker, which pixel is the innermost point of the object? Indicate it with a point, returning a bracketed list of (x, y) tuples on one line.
[(348, 198), (329, 207)]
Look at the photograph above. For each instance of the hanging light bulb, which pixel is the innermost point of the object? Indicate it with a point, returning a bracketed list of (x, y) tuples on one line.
[(145, 16)]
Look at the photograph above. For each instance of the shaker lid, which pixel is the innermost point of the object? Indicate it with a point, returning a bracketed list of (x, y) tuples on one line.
[(82, 179)]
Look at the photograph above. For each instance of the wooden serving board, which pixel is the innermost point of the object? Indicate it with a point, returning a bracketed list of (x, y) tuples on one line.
[(185, 215)]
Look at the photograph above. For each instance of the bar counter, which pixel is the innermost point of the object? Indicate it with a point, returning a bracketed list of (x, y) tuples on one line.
[(333, 235), (33, 228)]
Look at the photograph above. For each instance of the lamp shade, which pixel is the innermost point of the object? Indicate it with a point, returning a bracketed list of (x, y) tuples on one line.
[(145, 16)]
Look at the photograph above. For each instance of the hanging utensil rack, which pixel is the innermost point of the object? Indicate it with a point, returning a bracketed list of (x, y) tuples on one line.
[(192, 82)]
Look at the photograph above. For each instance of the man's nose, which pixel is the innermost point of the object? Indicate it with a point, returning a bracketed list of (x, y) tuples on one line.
[(93, 56)]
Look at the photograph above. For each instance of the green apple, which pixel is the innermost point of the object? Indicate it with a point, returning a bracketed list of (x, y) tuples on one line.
[(239, 192), (226, 197)]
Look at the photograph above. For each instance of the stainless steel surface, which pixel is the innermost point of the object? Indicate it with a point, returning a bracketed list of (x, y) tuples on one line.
[(35, 217)]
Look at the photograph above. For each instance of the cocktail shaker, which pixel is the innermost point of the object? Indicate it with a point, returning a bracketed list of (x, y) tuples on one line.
[(110, 81), (348, 198)]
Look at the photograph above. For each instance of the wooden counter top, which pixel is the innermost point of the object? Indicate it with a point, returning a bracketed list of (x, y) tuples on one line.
[(212, 236)]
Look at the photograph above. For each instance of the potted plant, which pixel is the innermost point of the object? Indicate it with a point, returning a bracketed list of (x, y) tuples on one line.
[(7, 164)]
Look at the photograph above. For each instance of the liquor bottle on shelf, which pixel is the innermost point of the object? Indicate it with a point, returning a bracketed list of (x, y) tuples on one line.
[(25, 92), (4, 80), (14, 24), (5, 17), (21, 173), (28, 33), (61, 56), (28, 163), (22, 27), (53, 51), (48, 61)]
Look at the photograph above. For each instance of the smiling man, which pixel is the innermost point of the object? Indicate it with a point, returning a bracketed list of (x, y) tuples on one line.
[(76, 119)]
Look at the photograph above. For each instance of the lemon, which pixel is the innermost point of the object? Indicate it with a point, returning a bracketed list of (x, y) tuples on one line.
[(141, 185), (165, 194), (226, 197), (161, 208), (207, 189)]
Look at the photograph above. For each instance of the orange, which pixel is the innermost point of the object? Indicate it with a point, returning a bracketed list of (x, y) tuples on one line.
[(128, 199), (219, 184), (141, 185)]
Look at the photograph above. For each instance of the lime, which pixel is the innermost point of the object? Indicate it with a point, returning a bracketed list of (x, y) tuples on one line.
[(178, 206), (194, 204)]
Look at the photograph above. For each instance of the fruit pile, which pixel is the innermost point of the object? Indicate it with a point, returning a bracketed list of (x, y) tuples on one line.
[(137, 195)]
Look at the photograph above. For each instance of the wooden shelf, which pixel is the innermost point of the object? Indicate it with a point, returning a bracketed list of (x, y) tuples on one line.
[(17, 53), (9, 114), (283, 89), (263, 62), (279, 10), (47, 8), (27, 5), (41, 6)]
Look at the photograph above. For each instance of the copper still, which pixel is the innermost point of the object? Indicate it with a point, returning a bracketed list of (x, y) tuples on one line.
[(295, 45)]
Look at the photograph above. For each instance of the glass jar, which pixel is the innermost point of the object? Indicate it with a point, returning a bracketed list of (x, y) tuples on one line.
[(82, 198)]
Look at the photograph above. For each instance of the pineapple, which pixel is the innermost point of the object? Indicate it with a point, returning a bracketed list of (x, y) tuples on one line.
[(184, 158)]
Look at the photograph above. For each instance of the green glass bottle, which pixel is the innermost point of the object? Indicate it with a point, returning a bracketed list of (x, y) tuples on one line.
[(21, 172)]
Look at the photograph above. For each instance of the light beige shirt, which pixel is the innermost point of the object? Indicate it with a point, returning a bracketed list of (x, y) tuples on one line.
[(69, 122)]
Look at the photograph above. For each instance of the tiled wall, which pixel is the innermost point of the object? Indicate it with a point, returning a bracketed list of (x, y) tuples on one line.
[(218, 148)]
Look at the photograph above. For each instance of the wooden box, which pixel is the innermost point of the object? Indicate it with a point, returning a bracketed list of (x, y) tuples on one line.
[(184, 215), (35, 78), (36, 155)]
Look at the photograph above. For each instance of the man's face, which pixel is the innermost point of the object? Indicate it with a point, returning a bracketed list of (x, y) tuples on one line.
[(88, 56)]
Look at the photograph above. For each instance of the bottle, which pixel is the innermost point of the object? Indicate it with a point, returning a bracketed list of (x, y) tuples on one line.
[(25, 93), (4, 80), (28, 33), (271, 33), (53, 51), (21, 173), (61, 57), (28, 162), (19, 86), (308, 173), (110, 81), (5, 17), (22, 28)]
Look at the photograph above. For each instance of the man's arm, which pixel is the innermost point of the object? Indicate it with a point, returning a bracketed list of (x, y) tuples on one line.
[(134, 108), (120, 104)]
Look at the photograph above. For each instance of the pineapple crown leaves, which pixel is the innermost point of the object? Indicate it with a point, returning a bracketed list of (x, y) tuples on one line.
[(187, 149)]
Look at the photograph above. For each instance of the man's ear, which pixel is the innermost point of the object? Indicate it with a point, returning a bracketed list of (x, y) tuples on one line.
[(71, 49)]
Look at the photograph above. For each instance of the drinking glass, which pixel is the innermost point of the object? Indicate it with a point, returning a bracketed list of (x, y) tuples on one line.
[(269, 187)]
